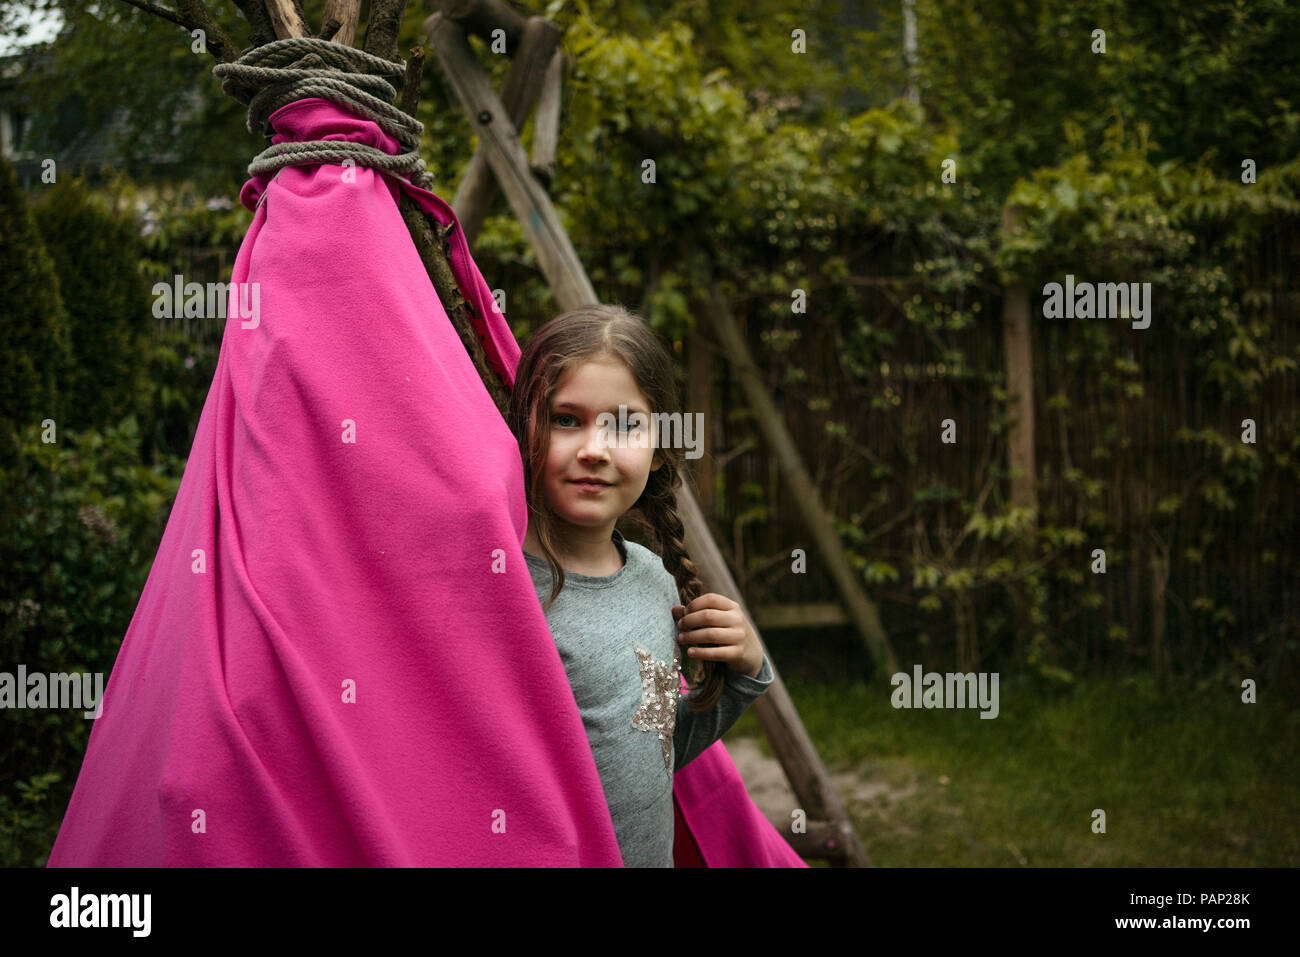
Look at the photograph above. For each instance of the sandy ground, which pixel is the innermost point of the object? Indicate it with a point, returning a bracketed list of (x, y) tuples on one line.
[(863, 796), (764, 779)]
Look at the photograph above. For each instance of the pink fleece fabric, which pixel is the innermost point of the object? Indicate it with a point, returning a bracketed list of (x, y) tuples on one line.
[(338, 657), (717, 823)]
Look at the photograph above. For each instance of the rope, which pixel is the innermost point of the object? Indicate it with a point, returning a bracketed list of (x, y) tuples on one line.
[(272, 75)]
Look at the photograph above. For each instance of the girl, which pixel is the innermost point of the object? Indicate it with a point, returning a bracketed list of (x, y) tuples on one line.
[(613, 605)]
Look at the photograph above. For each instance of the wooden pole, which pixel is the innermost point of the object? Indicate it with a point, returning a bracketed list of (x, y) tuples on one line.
[(1019, 359), (1017, 347), (699, 384), (482, 17), (528, 69), (861, 609), (546, 122), (912, 92), (774, 708), (285, 19), (572, 288), (505, 154), (348, 14), (820, 839)]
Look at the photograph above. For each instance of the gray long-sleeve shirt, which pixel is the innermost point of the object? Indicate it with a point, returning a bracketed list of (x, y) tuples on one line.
[(618, 640)]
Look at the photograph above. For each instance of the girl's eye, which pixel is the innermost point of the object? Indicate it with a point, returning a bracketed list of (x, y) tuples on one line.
[(563, 415)]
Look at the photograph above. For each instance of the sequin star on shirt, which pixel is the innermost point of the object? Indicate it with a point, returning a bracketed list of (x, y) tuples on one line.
[(660, 690)]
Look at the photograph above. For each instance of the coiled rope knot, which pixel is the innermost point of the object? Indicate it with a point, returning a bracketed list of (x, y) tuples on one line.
[(269, 76)]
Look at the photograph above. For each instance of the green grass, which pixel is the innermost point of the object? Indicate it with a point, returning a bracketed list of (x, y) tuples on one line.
[(1189, 776)]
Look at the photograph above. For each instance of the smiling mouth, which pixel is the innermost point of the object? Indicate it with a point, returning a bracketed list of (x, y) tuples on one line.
[(589, 485)]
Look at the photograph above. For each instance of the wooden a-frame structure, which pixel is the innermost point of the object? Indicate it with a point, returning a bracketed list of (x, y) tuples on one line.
[(500, 164)]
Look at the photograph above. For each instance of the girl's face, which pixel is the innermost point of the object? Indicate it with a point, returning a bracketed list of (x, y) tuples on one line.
[(582, 447)]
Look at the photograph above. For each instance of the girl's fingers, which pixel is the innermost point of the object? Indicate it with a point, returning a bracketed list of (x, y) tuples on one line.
[(723, 653), (711, 617), (712, 600), (712, 636)]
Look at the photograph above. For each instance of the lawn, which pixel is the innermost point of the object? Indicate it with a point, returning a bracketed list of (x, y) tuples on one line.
[(1187, 776)]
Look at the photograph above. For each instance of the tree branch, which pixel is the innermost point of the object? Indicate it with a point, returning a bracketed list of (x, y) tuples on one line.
[(194, 15), (260, 31), (385, 22), (435, 255), (148, 6), (216, 38), (414, 71)]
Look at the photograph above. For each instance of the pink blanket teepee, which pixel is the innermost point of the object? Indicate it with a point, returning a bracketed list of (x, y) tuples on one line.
[(338, 657)]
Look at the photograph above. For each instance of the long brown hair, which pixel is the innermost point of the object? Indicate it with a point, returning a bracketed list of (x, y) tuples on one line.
[(565, 343)]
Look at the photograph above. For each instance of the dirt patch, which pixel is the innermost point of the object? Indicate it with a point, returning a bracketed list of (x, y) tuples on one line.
[(861, 791)]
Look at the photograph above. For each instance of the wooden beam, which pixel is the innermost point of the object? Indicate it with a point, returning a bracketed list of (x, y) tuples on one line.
[(820, 840), (478, 187), (285, 20), (546, 122), (505, 154), (348, 15), (774, 708), (827, 614), (1019, 359), (481, 17), (866, 617), (699, 398)]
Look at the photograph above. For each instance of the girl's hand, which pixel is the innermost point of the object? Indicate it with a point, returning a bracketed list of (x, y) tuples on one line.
[(715, 619)]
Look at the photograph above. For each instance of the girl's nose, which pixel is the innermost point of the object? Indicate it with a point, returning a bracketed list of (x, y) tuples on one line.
[(596, 446)]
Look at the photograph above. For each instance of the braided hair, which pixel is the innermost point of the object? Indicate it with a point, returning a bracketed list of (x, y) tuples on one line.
[(559, 346)]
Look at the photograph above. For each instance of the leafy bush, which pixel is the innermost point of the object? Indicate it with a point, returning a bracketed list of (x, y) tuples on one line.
[(78, 533), (96, 251), (34, 347)]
